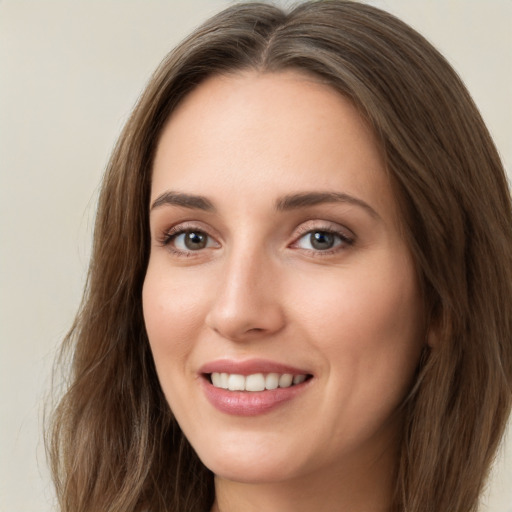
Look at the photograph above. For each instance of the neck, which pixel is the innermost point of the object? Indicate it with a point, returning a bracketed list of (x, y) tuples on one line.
[(352, 488)]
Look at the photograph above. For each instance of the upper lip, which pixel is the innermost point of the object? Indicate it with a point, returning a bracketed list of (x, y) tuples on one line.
[(249, 367)]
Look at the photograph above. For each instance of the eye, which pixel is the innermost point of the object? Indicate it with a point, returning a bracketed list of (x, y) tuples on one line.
[(322, 240), (183, 240), (191, 240)]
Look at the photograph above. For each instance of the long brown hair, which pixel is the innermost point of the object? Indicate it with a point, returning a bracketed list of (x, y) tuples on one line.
[(114, 444)]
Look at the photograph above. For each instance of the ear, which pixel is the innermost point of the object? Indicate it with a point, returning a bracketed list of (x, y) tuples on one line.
[(432, 336), (437, 326)]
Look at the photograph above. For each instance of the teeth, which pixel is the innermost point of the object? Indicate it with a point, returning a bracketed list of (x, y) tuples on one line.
[(272, 381), (255, 381), (286, 380), (298, 379), (216, 380), (236, 382)]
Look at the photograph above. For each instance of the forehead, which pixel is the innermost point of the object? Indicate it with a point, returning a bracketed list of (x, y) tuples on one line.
[(271, 132)]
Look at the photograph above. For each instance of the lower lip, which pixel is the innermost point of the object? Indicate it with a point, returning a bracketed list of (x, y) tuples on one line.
[(250, 403)]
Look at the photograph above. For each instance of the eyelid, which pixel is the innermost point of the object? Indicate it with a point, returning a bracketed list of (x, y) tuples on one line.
[(346, 236), (322, 225), (166, 236)]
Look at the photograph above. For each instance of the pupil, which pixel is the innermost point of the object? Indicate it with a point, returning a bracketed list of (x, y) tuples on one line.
[(195, 240), (322, 240)]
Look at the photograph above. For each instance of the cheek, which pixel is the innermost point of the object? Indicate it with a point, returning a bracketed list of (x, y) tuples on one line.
[(172, 314), (370, 334), (390, 337), (368, 322)]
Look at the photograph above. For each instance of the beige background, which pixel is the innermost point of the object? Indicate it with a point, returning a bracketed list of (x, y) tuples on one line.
[(70, 72)]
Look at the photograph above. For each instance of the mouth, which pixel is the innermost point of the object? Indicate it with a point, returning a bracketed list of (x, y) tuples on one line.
[(253, 387), (255, 382)]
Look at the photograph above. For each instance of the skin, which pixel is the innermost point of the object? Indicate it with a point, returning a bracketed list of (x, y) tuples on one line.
[(351, 315)]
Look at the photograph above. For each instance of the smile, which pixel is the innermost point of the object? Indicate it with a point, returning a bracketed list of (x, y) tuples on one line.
[(255, 382), (252, 387)]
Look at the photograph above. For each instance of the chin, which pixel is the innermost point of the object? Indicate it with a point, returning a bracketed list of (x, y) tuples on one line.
[(247, 472), (256, 465)]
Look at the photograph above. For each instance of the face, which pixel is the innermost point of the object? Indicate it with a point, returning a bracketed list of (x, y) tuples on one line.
[(281, 302)]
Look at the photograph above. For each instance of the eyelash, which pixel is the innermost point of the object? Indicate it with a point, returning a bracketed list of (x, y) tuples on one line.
[(173, 233), (344, 240)]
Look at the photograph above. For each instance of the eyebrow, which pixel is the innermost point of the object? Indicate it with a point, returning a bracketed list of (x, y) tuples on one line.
[(305, 199), (184, 200), (285, 203)]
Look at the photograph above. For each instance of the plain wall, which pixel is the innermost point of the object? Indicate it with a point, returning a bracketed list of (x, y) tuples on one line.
[(70, 72)]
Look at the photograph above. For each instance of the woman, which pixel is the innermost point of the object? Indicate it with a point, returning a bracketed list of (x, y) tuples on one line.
[(299, 294)]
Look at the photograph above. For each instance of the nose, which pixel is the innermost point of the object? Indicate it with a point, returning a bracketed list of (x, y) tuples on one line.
[(246, 305)]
